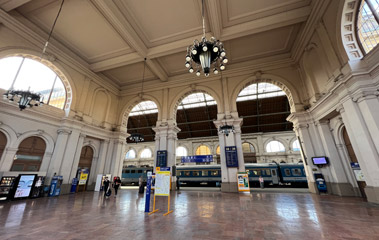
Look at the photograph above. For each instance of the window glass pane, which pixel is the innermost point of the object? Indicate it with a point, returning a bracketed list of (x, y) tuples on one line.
[(287, 172), (130, 154), (247, 147), (146, 153), (181, 151), (17, 167), (197, 100), (195, 173), (275, 146), (259, 90), (132, 171), (268, 172), (142, 108), (58, 96), (203, 150), (186, 173), (214, 172), (204, 173), (296, 172), (296, 146), (367, 26), (8, 71), (218, 150), (139, 171), (127, 171)]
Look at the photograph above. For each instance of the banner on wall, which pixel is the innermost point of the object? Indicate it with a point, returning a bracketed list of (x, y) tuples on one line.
[(243, 182)]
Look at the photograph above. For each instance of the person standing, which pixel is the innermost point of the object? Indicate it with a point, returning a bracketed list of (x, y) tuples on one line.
[(261, 182), (177, 183), (140, 184), (116, 185), (106, 185)]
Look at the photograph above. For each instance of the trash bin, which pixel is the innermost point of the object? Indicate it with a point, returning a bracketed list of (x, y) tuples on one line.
[(320, 182), (74, 185)]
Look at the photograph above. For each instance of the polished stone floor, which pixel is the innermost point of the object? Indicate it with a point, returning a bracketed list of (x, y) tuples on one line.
[(197, 215)]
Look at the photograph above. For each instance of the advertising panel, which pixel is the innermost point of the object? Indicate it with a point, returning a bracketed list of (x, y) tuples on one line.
[(25, 185), (243, 182), (83, 176), (162, 182)]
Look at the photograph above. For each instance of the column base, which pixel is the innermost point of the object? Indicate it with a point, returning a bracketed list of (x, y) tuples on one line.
[(65, 188), (372, 194), (343, 189), (312, 187), (229, 187)]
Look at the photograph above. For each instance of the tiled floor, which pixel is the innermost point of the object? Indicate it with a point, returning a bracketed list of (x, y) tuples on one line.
[(197, 215)]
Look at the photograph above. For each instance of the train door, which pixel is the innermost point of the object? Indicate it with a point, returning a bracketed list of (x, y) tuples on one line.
[(274, 174)]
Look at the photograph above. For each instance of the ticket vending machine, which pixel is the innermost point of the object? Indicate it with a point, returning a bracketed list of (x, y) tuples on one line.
[(6, 185), (55, 186)]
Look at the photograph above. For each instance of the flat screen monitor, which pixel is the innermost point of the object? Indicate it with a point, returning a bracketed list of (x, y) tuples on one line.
[(320, 160), (24, 186)]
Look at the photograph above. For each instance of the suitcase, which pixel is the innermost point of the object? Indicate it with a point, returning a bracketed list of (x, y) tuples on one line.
[(109, 192)]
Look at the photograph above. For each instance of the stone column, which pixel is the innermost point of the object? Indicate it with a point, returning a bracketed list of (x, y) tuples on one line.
[(75, 162), (165, 139), (58, 154), (118, 156), (9, 154), (338, 176), (229, 175), (100, 167), (361, 135)]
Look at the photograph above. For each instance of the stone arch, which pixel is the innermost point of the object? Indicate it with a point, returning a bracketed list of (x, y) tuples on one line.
[(129, 149), (196, 146), (286, 86), (123, 120), (9, 133), (109, 101), (141, 150), (39, 133), (252, 143), (183, 146), (347, 29), (274, 139), (290, 146), (93, 146), (51, 62)]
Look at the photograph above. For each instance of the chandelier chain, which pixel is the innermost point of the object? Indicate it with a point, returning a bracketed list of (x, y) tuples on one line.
[(52, 29), (202, 14)]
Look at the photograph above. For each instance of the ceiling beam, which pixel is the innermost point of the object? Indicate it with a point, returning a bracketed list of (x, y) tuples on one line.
[(157, 69), (256, 26), (116, 62), (12, 4), (214, 17)]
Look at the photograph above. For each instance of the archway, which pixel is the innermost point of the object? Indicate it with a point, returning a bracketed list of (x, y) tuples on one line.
[(29, 155), (85, 162), (3, 143)]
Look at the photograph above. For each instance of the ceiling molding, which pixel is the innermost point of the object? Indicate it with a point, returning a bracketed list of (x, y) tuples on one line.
[(12, 4), (214, 17), (115, 62), (156, 68)]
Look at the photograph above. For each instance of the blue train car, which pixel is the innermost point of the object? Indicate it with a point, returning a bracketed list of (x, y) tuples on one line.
[(131, 174), (269, 172), (199, 174), (293, 173)]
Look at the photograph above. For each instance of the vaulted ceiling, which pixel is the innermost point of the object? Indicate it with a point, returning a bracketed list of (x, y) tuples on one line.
[(114, 36)]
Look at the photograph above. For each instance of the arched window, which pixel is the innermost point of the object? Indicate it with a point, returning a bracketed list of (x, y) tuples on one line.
[(143, 108), (146, 153), (130, 154), (296, 146), (3, 143), (275, 146), (181, 151), (141, 119), (367, 24), (247, 147), (22, 73), (203, 150), (218, 150), (29, 155)]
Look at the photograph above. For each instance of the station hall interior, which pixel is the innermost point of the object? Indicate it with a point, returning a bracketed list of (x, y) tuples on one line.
[(280, 90)]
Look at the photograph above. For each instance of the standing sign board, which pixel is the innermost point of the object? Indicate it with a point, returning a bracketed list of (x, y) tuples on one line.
[(162, 158), (83, 176), (198, 159), (162, 182), (243, 182), (231, 156)]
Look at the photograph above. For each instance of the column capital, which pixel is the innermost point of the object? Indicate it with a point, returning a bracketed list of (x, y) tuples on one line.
[(82, 135), (340, 108), (365, 95), (63, 132)]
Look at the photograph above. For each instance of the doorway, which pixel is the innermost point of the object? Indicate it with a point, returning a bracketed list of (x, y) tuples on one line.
[(354, 162), (85, 162)]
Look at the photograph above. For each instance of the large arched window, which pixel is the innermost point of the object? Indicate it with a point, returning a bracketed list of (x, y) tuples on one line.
[(22, 73), (181, 151), (142, 118), (275, 146), (247, 147), (296, 146), (130, 154), (29, 155), (218, 150), (367, 24), (146, 153), (203, 150)]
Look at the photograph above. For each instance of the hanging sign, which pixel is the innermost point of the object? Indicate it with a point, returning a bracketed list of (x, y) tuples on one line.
[(231, 156), (243, 182), (83, 176), (162, 182), (162, 158), (198, 159)]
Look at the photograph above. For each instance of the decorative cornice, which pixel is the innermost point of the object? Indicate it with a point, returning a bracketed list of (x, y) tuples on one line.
[(364, 95), (63, 132)]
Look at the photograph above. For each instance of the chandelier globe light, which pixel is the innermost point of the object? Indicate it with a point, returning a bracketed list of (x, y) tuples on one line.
[(206, 54)]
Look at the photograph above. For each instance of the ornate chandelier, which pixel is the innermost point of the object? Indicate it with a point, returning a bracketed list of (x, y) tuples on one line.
[(226, 129), (25, 99), (206, 53), (138, 137)]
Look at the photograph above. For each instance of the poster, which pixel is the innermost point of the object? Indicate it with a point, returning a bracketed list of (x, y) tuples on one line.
[(83, 177), (243, 182), (359, 175), (162, 182), (24, 186)]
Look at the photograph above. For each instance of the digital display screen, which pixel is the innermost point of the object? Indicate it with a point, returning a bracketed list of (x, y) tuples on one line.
[(24, 186), (319, 160)]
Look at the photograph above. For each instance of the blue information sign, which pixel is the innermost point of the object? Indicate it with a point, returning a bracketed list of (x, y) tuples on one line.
[(198, 159), (162, 158), (355, 165), (231, 156), (148, 192)]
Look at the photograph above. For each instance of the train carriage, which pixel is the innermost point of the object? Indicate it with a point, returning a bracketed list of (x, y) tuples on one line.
[(269, 172), (131, 174), (199, 174)]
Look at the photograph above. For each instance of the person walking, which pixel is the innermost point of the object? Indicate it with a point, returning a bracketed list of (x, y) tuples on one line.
[(116, 185), (261, 182), (177, 183), (140, 184), (106, 183)]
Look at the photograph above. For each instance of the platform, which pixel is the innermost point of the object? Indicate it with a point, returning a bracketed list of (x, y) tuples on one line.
[(197, 215)]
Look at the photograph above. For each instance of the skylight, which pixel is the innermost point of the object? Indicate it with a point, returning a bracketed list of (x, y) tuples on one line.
[(142, 108), (259, 90), (196, 100)]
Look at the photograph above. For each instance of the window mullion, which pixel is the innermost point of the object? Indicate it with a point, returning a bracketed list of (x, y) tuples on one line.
[(18, 71), (52, 89), (372, 8)]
